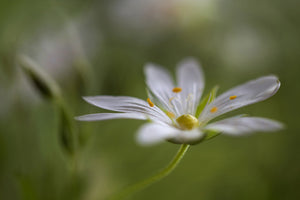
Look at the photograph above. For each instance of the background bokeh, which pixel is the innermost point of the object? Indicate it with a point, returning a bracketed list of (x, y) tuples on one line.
[(100, 47)]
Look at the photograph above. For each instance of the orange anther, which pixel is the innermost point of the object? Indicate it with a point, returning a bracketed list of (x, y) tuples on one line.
[(214, 109), (177, 89), (151, 104), (232, 97)]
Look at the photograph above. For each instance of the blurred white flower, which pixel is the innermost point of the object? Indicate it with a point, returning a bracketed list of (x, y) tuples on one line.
[(176, 112), (62, 50), (154, 16), (59, 48)]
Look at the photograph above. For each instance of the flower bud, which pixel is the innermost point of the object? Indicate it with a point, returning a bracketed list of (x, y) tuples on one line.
[(42, 82)]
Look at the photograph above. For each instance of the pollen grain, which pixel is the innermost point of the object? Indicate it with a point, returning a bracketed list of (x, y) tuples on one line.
[(177, 89), (214, 109), (232, 97), (151, 104)]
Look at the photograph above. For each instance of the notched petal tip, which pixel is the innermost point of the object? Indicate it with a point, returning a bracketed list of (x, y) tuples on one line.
[(191, 65), (274, 80), (81, 118), (276, 125), (88, 99), (245, 94), (93, 100), (151, 68)]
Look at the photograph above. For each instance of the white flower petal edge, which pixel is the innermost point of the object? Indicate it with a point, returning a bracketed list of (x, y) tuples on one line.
[(244, 125), (187, 136), (243, 95), (107, 116), (129, 105), (191, 79), (160, 83), (153, 133)]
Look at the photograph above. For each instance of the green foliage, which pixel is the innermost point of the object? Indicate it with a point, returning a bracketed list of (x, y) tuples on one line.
[(206, 100)]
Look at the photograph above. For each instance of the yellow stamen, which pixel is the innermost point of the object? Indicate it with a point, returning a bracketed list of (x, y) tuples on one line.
[(232, 97), (177, 90), (171, 115), (151, 104), (214, 109), (170, 101)]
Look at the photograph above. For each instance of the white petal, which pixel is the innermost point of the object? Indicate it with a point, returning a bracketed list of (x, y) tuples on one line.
[(244, 125), (246, 94), (187, 136), (160, 84), (152, 133), (128, 105), (191, 79), (107, 116)]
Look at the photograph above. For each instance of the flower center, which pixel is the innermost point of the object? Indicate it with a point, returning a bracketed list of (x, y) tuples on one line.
[(187, 122)]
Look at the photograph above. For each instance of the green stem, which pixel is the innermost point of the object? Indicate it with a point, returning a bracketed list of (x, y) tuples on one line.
[(157, 177)]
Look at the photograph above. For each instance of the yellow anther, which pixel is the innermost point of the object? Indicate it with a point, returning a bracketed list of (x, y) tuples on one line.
[(214, 109), (177, 90), (171, 115), (171, 99), (151, 104), (232, 97), (187, 122), (190, 97)]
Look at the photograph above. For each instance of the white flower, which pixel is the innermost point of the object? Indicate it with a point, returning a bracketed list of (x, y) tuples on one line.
[(175, 110)]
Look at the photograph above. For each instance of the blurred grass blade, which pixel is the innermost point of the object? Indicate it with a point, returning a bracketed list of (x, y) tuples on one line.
[(67, 131), (42, 82), (211, 134)]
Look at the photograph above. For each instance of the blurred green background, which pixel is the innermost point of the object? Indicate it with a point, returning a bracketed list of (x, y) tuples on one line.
[(100, 47)]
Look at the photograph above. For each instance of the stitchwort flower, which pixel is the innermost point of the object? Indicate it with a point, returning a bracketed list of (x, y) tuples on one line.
[(176, 112)]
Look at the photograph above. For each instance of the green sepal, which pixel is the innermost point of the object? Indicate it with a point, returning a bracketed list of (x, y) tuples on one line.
[(206, 100), (209, 134)]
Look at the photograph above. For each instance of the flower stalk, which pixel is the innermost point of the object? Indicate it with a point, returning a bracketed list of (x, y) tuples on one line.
[(130, 190)]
